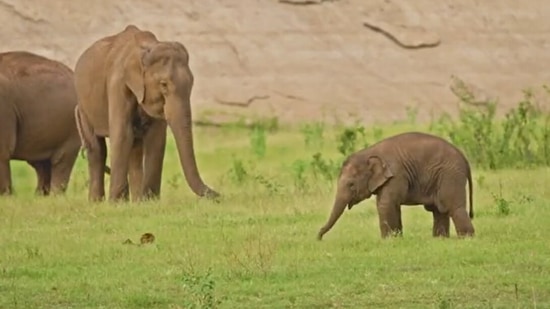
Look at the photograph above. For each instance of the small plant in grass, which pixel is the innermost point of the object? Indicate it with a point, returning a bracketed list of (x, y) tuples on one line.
[(377, 134), (444, 303), (313, 135), (481, 181), (33, 252), (238, 172), (502, 204), (270, 184), (299, 169), (321, 167), (174, 181), (254, 255), (349, 138), (201, 289), (258, 139)]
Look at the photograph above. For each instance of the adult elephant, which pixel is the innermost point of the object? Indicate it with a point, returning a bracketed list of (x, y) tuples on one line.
[(411, 168), (37, 124), (130, 86)]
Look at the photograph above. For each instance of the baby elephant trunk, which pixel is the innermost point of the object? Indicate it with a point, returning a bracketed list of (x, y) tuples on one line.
[(337, 210)]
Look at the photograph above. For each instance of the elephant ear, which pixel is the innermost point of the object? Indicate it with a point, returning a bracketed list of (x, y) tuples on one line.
[(133, 74), (133, 65), (380, 173)]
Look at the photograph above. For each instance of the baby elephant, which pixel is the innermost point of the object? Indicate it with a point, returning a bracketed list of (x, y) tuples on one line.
[(407, 169)]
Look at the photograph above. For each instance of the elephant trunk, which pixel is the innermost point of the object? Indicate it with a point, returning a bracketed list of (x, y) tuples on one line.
[(178, 117), (337, 210)]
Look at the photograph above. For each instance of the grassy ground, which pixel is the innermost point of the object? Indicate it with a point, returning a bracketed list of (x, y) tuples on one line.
[(257, 247)]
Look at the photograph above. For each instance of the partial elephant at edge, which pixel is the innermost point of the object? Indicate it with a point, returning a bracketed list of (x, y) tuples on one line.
[(37, 125)]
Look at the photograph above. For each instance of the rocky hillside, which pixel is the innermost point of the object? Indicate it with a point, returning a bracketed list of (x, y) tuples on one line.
[(314, 59)]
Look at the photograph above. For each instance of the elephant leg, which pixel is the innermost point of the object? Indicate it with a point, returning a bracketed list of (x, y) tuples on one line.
[(462, 222), (97, 157), (389, 215), (453, 202), (5, 177), (154, 144), (62, 166), (400, 223), (8, 129), (43, 171), (136, 171), (120, 142), (441, 222)]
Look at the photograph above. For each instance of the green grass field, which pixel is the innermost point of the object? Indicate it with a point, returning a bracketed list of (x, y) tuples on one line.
[(256, 248)]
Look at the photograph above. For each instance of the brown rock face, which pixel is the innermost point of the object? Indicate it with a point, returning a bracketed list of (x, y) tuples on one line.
[(299, 60)]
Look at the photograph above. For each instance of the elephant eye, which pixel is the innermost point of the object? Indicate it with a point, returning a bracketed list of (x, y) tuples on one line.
[(163, 85)]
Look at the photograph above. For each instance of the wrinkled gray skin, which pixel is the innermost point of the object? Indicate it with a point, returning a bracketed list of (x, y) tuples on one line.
[(407, 169)]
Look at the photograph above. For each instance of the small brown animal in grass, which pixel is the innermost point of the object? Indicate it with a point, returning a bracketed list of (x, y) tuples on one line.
[(147, 238)]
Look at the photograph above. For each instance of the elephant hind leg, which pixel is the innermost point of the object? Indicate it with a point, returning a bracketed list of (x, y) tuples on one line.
[(8, 129), (97, 157), (453, 202), (5, 177), (462, 222), (441, 222), (400, 221), (62, 164), (43, 171)]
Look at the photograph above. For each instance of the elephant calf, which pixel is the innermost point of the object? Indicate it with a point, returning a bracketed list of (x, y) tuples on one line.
[(37, 124), (407, 169)]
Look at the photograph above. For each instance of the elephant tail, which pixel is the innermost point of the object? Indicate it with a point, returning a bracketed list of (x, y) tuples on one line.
[(87, 139), (471, 189), (84, 131)]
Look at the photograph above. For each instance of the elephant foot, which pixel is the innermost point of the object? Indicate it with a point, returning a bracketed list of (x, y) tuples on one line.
[(6, 191)]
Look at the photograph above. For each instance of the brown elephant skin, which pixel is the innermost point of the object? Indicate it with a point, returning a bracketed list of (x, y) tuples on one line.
[(407, 169), (37, 125), (130, 88)]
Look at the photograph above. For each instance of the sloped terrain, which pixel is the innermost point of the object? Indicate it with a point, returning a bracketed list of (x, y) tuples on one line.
[(314, 59)]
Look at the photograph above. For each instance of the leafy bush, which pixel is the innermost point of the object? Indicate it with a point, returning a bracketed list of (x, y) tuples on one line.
[(521, 139), (201, 290), (518, 140)]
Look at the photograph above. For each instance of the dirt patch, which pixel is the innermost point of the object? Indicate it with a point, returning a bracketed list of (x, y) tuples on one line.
[(315, 61)]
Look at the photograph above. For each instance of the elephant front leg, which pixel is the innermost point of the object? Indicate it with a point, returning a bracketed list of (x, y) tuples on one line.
[(136, 171), (5, 178), (389, 215), (154, 144), (121, 140)]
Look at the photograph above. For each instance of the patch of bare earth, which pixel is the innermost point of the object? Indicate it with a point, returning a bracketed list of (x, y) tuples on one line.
[(314, 59)]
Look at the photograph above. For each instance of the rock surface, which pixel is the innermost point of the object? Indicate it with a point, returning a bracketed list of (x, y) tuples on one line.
[(314, 60)]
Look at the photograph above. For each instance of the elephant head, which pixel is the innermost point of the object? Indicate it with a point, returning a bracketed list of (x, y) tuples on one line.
[(158, 75), (360, 177)]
